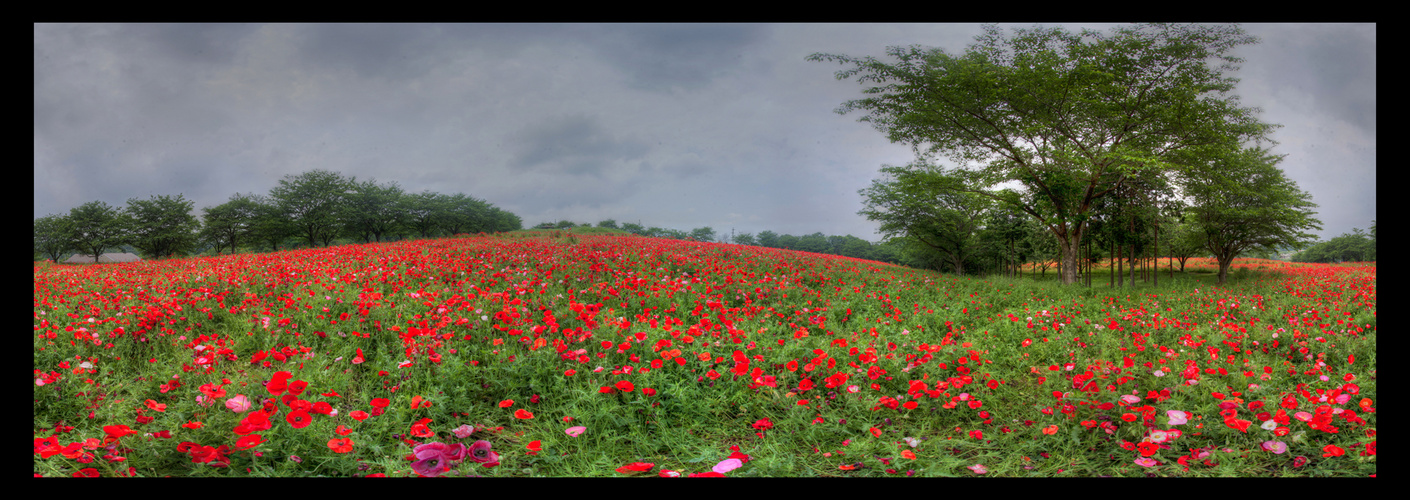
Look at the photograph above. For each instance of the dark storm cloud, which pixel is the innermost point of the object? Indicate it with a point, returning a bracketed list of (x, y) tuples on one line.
[(576, 144), (198, 44), (390, 51), (659, 57), (1326, 67)]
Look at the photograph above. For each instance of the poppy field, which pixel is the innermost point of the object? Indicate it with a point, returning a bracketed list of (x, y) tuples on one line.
[(606, 355)]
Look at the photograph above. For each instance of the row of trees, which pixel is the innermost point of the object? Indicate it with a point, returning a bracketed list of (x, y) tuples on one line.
[(1079, 133), (1356, 246), (317, 208)]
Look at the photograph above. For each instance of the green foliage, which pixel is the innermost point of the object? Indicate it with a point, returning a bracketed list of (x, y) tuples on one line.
[(231, 222), (269, 225), (51, 236), (1062, 114), (313, 202), (161, 226), (372, 211), (94, 227), (933, 208), (768, 239), (1357, 246), (703, 234), (1241, 201)]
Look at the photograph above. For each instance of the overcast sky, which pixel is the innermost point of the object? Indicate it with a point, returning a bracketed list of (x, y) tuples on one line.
[(669, 125)]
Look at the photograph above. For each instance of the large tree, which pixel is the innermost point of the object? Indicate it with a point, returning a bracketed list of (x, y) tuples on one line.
[(1241, 201), (51, 236), (228, 223), (703, 234), (313, 202), (1059, 113), (929, 207), (94, 227), (768, 239), (162, 225), (269, 224), (372, 210)]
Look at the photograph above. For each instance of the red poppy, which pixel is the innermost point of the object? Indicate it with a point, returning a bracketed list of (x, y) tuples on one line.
[(279, 383), (359, 415), (117, 431), (297, 387), (636, 467), (419, 428), (247, 442), (522, 413), (504, 404), (1332, 450), (340, 445), (343, 430), (299, 418), (625, 386), (1147, 449), (381, 402), (155, 405), (535, 447)]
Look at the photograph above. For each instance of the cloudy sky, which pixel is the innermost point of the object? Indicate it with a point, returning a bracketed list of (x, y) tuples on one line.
[(669, 125)]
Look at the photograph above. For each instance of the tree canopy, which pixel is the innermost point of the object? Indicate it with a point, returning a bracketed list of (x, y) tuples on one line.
[(313, 202), (161, 225), (1241, 201), (94, 227), (929, 207), (1064, 115)]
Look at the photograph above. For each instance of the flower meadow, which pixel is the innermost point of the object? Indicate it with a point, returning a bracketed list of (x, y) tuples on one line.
[(603, 355)]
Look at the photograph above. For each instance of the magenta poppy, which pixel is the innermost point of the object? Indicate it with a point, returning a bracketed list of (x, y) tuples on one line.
[(480, 453), (433, 459)]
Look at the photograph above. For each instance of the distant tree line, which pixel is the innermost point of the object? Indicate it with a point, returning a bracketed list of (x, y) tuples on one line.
[(1357, 246), (315, 208)]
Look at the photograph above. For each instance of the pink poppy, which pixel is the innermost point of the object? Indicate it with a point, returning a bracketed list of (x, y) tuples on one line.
[(1277, 447), (238, 404), (575, 431), (1177, 417), (727, 465)]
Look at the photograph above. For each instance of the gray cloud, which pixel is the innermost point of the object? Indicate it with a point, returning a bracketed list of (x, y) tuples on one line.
[(660, 57), (575, 145), (677, 125)]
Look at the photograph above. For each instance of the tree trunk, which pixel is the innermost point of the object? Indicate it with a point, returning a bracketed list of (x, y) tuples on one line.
[(1068, 247), (1120, 261), (1224, 269)]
